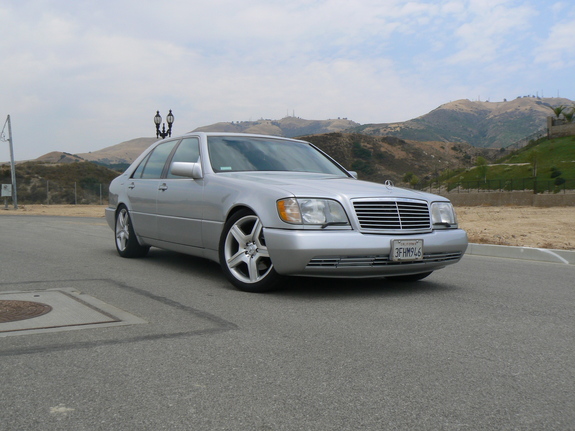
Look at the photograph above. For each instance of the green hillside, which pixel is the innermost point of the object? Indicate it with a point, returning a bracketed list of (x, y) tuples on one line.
[(546, 165)]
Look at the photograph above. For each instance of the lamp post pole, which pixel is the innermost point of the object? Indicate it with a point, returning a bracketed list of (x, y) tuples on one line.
[(158, 121), (12, 165)]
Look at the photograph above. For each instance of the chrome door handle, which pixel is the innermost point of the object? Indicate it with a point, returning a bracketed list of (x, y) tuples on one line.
[(131, 185), (163, 187)]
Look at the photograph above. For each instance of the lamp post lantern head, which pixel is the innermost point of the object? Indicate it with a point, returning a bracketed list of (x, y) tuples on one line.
[(158, 121)]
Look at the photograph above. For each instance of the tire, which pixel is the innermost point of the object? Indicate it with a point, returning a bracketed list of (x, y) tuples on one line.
[(126, 241), (410, 277), (244, 256)]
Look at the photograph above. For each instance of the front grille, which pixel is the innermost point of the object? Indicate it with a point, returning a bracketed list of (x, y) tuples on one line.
[(386, 215), (375, 261)]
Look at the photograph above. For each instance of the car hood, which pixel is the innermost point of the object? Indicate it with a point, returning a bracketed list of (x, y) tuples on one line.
[(318, 185)]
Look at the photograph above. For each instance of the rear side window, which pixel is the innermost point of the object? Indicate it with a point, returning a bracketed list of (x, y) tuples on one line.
[(153, 165), (138, 172)]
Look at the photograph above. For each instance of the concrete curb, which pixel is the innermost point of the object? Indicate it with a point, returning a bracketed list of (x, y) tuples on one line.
[(523, 253)]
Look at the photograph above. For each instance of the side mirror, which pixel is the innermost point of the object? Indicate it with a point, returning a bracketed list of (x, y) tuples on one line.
[(187, 169), (353, 174)]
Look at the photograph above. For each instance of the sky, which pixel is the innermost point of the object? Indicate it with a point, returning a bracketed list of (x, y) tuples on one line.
[(79, 76)]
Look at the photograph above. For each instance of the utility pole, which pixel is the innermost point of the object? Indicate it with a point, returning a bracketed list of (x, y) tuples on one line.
[(12, 165)]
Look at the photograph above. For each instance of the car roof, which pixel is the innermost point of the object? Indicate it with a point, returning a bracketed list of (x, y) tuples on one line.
[(238, 134)]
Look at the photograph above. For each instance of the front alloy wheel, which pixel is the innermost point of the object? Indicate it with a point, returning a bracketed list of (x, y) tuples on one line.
[(244, 255)]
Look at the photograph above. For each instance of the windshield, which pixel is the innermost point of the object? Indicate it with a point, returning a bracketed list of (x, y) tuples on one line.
[(237, 153)]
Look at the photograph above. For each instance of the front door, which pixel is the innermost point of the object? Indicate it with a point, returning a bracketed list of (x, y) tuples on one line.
[(179, 203)]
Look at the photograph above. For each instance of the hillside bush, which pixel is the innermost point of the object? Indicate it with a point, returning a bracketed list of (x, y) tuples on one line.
[(363, 167), (559, 181), (360, 152)]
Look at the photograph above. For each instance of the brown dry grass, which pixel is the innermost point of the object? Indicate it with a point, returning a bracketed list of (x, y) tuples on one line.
[(552, 228)]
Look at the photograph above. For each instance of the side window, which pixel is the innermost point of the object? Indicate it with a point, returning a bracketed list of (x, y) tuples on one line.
[(187, 151), (138, 172), (154, 164)]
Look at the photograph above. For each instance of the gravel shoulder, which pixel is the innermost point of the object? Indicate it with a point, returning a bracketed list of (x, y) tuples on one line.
[(552, 228)]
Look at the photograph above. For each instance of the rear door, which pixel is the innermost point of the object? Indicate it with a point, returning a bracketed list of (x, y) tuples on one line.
[(143, 190)]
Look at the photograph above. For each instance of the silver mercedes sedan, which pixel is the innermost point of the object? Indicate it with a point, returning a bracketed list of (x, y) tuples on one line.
[(266, 207)]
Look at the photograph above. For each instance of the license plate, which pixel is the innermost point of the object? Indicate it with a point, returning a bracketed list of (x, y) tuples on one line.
[(407, 250)]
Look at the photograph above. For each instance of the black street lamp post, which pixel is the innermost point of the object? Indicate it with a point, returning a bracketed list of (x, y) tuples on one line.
[(158, 121)]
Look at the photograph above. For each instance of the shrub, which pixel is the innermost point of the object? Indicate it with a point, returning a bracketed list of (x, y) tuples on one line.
[(559, 181), (363, 167), (360, 152)]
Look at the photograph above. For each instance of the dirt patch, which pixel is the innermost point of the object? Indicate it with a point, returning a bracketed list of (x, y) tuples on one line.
[(57, 210), (552, 228)]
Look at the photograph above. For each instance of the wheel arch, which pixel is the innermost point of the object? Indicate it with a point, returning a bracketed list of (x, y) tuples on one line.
[(121, 204), (237, 209)]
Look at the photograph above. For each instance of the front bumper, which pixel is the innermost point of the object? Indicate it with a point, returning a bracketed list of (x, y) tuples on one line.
[(353, 254)]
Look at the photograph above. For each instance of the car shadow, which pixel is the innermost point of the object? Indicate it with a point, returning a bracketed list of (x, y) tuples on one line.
[(300, 287), (180, 262), (374, 287)]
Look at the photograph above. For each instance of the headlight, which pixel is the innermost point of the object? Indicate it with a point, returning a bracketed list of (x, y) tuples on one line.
[(442, 213), (323, 212)]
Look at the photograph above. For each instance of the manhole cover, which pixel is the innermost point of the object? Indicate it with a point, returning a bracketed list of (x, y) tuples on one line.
[(11, 311)]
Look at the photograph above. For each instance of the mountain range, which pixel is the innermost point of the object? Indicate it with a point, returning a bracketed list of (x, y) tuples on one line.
[(480, 124), (289, 127)]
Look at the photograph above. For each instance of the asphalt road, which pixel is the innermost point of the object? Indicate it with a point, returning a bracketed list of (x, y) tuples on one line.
[(483, 345)]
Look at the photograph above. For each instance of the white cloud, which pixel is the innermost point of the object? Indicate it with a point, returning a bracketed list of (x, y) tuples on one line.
[(558, 50), (79, 76), (490, 31)]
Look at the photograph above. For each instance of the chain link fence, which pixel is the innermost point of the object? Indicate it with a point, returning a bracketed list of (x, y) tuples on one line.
[(557, 185), (92, 193), (54, 193)]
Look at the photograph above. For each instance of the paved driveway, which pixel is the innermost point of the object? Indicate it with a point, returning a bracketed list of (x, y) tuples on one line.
[(485, 344)]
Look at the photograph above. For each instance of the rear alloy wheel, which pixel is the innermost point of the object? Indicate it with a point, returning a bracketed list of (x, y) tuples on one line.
[(126, 241), (410, 277), (244, 255)]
